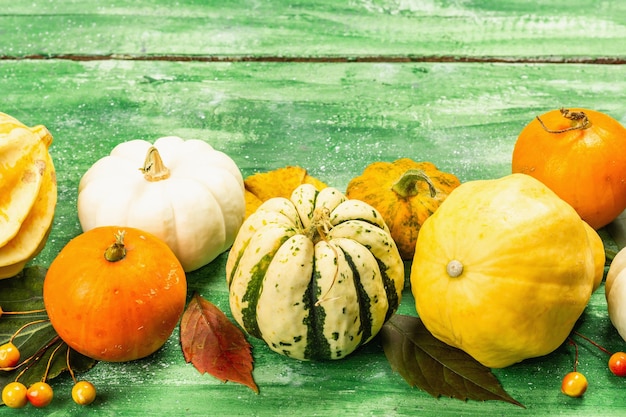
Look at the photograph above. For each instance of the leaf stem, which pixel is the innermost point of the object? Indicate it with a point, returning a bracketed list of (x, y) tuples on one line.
[(45, 374), (30, 323), (582, 336), (15, 313), (31, 360)]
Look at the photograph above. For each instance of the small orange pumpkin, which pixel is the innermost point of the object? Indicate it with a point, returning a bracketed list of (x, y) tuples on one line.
[(579, 154), (115, 295), (405, 193), (280, 182)]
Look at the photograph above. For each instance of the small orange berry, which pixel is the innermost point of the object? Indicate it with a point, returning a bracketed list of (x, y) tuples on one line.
[(83, 393), (574, 384), (9, 355), (617, 363), (40, 394)]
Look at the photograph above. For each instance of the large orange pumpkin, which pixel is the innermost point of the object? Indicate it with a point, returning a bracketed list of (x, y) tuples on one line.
[(581, 155), (115, 294)]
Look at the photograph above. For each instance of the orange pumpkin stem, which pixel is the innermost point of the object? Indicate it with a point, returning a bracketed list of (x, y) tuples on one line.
[(406, 186), (578, 120), (153, 167), (117, 251)]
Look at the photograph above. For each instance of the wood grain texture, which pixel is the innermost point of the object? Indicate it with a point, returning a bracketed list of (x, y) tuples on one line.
[(332, 119), (517, 29), (321, 84)]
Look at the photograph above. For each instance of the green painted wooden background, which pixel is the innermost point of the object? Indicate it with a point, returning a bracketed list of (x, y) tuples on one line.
[(330, 86)]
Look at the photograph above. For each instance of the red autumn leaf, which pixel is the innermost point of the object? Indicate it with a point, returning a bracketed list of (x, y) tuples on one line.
[(213, 344)]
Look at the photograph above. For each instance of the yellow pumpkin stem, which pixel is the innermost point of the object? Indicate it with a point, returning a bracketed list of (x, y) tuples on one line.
[(117, 251), (153, 167), (406, 186), (578, 120)]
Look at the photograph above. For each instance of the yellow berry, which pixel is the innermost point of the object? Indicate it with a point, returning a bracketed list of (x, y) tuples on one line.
[(83, 393), (574, 384), (14, 395), (9, 355)]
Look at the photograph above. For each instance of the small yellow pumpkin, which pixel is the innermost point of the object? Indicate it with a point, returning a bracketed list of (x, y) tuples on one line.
[(503, 269), (28, 193), (405, 193), (185, 192)]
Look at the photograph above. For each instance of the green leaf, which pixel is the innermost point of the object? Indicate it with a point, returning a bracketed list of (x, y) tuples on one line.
[(37, 340), (435, 367)]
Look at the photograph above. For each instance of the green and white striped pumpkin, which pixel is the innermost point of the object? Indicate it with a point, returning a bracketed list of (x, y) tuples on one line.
[(315, 276)]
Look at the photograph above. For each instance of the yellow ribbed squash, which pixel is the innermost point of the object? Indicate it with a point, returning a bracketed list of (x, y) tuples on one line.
[(28, 193), (503, 269)]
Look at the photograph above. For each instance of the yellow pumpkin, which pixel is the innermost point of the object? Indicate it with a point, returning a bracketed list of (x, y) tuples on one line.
[(405, 193), (503, 269), (28, 193)]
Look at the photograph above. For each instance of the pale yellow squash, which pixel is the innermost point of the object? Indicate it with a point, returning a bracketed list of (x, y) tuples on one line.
[(503, 269), (28, 193)]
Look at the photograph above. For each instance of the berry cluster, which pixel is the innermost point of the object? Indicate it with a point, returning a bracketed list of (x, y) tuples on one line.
[(575, 383), (39, 394)]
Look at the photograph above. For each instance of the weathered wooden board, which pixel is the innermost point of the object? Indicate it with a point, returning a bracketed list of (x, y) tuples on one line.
[(332, 119), (552, 30)]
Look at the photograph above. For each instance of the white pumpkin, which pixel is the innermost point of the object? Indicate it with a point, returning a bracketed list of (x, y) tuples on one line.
[(615, 292), (183, 191)]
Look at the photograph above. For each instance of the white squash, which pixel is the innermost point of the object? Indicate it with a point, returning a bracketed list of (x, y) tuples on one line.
[(615, 292), (316, 275), (183, 191)]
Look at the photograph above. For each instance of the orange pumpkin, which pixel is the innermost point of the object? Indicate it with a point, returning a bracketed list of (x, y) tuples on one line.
[(581, 155), (280, 182), (405, 193), (115, 295)]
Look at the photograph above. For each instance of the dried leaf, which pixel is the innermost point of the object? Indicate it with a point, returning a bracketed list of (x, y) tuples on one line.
[(435, 367), (24, 292), (277, 183), (213, 344)]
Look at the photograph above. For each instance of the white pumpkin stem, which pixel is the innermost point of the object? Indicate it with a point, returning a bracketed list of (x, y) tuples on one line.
[(153, 167), (406, 186), (117, 251)]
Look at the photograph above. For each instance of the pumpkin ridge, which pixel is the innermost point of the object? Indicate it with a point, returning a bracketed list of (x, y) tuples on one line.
[(365, 314), (317, 346), (254, 288), (390, 289)]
